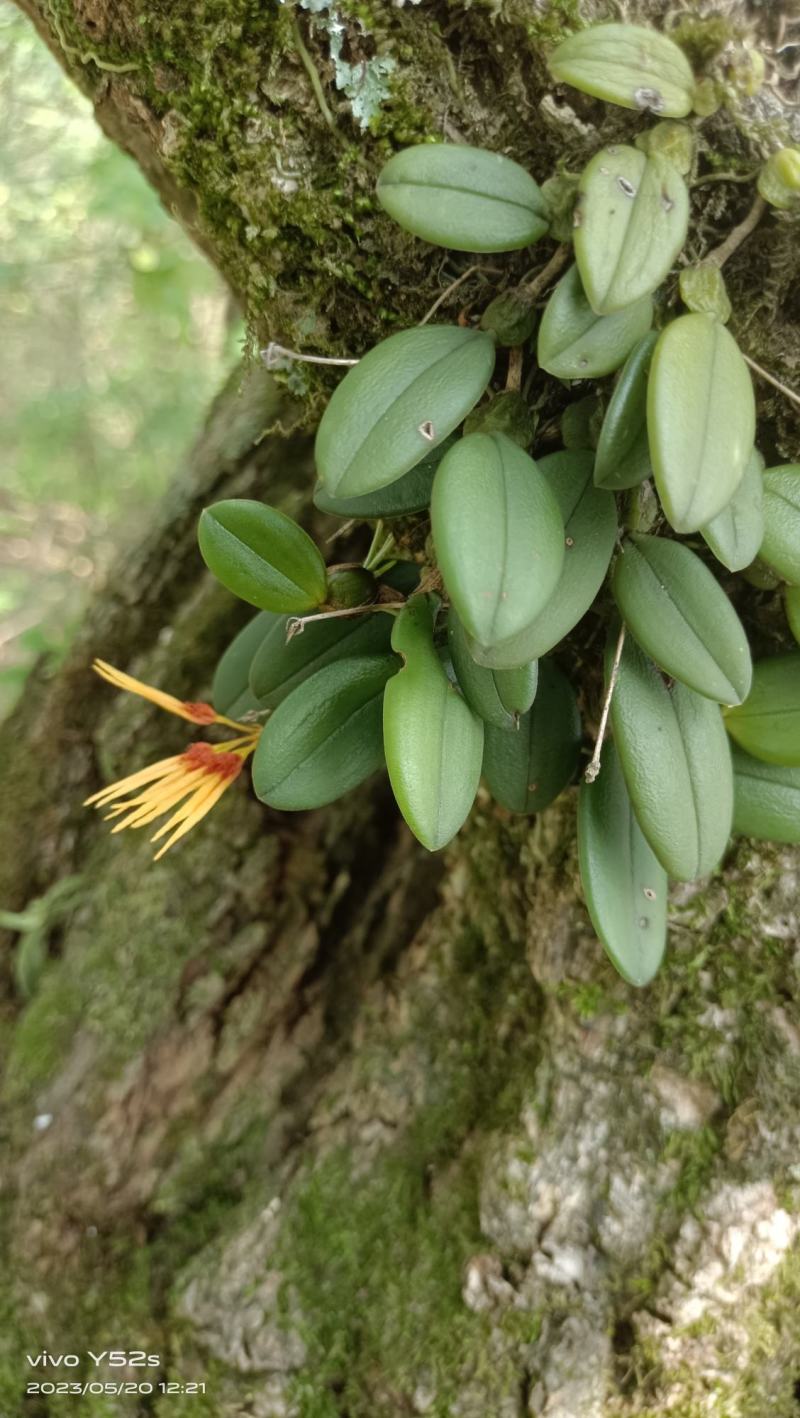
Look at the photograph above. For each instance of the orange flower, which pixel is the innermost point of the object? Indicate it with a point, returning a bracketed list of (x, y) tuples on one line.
[(186, 785)]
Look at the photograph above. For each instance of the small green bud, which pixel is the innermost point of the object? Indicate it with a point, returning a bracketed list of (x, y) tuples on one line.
[(760, 576), (703, 290), (509, 319), (350, 586), (559, 194), (706, 98), (671, 140), (581, 422), (642, 509), (506, 413), (779, 179), (746, 71)]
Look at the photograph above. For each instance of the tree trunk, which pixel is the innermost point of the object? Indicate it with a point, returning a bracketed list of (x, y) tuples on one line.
[(332, 1126)]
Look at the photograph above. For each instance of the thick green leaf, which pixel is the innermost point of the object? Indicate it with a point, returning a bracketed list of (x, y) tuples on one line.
[(630, 65), (262, 556), (780, 548), (325, 738), (398, 404), (409, 494), (280, 665), (590, 530), (766, 801), (792, 603), (466, 198), (575, 343), (736, 533), (767, 725), (624, 883), (630, 223), (498, 696), (498, 533), (433, 740), (230, 689), (623, 451), (700, 419), (527, 769), (682, 618), (677, 766)]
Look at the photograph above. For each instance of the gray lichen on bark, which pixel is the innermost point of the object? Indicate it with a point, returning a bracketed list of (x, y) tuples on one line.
[(337, 1127)]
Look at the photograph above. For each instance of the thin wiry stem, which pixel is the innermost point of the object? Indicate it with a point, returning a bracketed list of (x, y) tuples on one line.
[(594, 766), (740, 233), (274, 354), (770, 378)]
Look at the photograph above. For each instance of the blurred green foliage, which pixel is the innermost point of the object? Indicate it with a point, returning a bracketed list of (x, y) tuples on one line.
[(115, 334)]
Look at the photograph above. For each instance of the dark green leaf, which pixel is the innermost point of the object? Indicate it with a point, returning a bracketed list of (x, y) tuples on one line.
[(527, 769), (766, 802), (623, 451), (433, 740), (325, 738), (498, 533), (630, 223), (736, 533), (399, 403), (677, 766), (682, 618), (280, 665), (767, 725), (262, 556), (631, 65), (624, 883), (780, 548), (231, 685), (700, 419), (590, 530), (498, 696), (409, 494), (575, 343), (465, 198)]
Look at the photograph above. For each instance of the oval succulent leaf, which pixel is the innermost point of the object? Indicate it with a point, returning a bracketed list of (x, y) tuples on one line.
[(576, 343), (700, 419), (409, 494), (262, 556), (766, 801), (677, 766), (498, 533), (629, 65), (326, 738), (466, 198), (767, 725), (230, 688), (526, 770), (590, 530), (623, 450), (498, 696), (398, 403), (433, 740), (280, 665), (780, 547), (630, 223), (736, 533), (624, 883), (682, 618)]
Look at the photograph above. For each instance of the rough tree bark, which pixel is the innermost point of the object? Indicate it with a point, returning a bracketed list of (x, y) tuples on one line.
[(330, 1125)]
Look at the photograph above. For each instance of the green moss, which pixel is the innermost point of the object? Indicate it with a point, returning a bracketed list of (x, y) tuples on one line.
[(375, 1262)]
